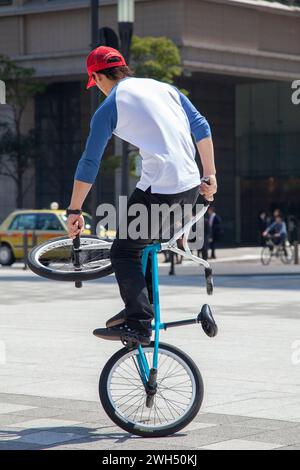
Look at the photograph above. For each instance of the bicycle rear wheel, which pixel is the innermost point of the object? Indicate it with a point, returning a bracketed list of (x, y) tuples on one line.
[(54, 259), (286, 254), (177, 401)]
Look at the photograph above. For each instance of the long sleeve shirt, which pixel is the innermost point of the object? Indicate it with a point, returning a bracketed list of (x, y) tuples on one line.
[(159, 120)]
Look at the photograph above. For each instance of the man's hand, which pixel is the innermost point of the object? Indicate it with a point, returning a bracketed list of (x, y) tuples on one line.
[(75, 225), (208, 190)]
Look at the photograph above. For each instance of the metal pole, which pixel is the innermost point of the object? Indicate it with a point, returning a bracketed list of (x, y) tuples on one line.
[(125, 34), (172, 260), (25, 247), (296, 252), (94, 104)]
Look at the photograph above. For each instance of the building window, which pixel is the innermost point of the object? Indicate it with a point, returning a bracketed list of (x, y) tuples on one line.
[(6, 2)]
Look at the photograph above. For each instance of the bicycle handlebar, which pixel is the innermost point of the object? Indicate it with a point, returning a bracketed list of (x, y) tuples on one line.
[(77, 265), (76, 242), (207, 181)]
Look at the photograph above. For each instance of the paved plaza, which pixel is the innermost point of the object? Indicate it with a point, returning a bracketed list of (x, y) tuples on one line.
[(50, 362)]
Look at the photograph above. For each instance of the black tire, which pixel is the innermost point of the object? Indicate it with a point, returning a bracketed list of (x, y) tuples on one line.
[(266, 256), (136, 428), (7, 257), (286, 254), (73, 276)]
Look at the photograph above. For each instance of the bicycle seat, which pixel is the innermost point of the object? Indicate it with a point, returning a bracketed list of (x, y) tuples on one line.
[(207, 321)]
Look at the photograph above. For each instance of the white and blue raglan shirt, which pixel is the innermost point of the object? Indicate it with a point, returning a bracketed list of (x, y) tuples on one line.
[(159, 120)]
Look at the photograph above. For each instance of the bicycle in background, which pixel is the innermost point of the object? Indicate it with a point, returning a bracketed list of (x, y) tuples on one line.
[(282, 251)]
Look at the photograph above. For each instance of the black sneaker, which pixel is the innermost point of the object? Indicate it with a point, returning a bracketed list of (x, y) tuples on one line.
[(129, 337), (117, 320)]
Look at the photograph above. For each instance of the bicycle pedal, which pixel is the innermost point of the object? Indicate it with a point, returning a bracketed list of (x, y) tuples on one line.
[(130, 340), (207, 321)]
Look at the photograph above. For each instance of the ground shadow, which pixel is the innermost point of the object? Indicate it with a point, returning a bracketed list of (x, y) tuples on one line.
[(39, 438)]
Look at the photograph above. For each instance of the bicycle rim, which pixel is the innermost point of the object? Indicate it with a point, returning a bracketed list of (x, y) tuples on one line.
[(175, 397), (55, 258)]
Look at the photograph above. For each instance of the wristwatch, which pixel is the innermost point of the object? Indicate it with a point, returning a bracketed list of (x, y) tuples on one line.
[(73, 212)]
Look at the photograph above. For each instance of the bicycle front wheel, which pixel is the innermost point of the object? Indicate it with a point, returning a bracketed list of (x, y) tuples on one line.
[(266, 255), (54, 259), (177, 401)]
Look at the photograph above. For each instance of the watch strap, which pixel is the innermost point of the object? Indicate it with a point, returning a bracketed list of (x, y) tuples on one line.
[(73, 211)]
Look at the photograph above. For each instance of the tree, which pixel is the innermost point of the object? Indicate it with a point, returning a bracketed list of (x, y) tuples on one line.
[(18, 151), (157, 58)]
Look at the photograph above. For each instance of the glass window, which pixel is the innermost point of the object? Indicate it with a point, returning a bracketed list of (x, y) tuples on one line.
[(23, 222), (48, 222)]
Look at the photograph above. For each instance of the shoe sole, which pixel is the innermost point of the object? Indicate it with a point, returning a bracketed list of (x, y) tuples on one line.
[(145, 342), (111, 323), (109, 338)]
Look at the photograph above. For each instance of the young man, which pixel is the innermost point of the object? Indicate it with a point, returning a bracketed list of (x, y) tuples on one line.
[(159, 120), (277, 230)]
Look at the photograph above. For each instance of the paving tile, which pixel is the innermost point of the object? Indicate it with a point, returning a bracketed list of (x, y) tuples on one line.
[(21, 399), (286, 413), (42, 423), (219, 418), (10, 418), (263, 423), (209, 435), (50, 402), (255, 407), (194, 426), (12, 408), (139, 444), (286, 436), (240, 444), (96, 417), (290, 448), (267, 424), (35, 413)]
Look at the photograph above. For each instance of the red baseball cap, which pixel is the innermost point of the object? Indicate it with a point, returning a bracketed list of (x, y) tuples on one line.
[(98, 59)]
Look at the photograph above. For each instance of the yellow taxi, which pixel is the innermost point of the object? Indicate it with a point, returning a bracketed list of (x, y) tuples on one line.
[(40, 226)]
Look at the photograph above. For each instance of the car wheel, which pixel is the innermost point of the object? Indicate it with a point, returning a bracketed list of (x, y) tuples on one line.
[(6, 255)]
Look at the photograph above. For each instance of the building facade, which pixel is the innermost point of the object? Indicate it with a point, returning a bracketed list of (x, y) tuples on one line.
[(240, 59)]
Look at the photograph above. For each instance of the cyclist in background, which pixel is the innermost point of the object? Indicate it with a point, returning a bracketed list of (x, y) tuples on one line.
[(278, 231)]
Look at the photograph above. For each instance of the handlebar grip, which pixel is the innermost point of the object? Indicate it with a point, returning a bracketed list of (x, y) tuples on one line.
[(76, 242), (204, 201), (207, 181)]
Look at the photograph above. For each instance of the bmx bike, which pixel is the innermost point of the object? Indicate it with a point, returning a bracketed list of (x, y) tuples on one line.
[(149, 391), (283, 251)]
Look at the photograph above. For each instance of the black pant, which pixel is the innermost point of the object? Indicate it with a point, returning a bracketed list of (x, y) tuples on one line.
[(126, 258), (212, 246)]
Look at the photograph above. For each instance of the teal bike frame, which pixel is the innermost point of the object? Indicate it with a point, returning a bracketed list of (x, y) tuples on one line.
[(151, 251)]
